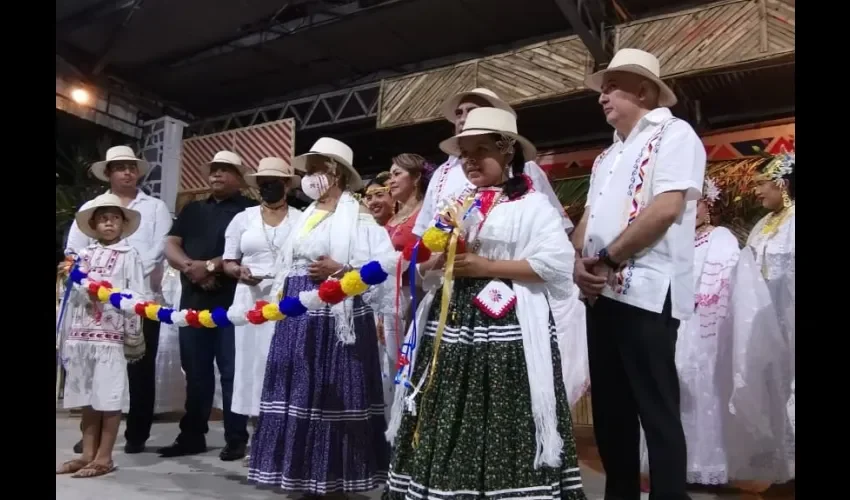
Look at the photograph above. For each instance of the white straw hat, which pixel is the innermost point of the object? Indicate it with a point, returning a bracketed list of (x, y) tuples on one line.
[(118, 153), (489, 121), (273, 167), (84, 216), (450, 105), (640, 63), (336, 150), (226, 158)]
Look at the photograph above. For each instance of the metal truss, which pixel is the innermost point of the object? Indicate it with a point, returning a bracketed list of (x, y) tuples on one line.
[(320, 110), (586, 19)]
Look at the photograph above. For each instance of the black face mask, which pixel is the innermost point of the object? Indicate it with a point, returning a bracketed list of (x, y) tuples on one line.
[(272, 192)]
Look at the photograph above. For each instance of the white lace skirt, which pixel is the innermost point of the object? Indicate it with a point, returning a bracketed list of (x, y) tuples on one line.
[(96, 375)]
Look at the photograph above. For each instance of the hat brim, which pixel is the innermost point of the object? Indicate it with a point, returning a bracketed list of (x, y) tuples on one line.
[(251, 179), (666, 97), (131, 225), (451, 145), (450, 105), (242, 169), (98, 169), (355, 182)]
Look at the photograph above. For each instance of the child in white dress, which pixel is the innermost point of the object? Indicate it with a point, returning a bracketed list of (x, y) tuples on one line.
[(97, 340)]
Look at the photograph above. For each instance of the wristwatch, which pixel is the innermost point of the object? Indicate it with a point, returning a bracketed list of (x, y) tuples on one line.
[(210, 265), (607, 260)]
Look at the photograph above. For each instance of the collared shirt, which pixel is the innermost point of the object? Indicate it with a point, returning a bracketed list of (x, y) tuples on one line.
[(630, 171), (449, 181), (201, 225), (148, 240)]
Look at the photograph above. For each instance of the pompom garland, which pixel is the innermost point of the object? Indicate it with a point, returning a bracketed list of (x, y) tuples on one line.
[(353, 283)]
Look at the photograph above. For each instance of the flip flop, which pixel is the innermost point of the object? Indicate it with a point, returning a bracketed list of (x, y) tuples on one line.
[(94, 469), (71, 466)]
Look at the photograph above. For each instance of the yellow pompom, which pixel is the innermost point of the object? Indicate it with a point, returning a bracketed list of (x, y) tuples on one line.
[(435, 239), (352, 284), (272, 313), (205, 318), (151, 310), (103, 294)]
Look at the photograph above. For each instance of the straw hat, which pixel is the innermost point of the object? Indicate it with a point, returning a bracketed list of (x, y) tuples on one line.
[(118, 153), (226, 158), (640, 63), (273, 167), (84, 216), (336, 150), (451, 104), (489, 121)]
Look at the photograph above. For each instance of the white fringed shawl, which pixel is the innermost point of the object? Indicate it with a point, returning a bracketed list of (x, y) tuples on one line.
[(356, 239), (525, 229)]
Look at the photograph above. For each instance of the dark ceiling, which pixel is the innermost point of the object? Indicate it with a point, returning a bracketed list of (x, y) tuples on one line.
[(215, 57)]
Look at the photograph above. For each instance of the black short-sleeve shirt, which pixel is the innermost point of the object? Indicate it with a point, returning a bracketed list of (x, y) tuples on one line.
[(201, 224)]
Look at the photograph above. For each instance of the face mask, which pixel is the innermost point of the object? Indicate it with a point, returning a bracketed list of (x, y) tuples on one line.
[(315, 185), (272, 192)]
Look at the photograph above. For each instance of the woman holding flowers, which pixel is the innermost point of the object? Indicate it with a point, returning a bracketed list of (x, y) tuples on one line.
[(321, 411), (482, 410)]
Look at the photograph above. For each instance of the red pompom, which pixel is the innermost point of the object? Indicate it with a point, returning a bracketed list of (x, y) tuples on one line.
[(422, 254), (331, 292), (106, 284), (93, 286), (139, 308), (260, 303), (461, 246), (192, 319), (255, 317)]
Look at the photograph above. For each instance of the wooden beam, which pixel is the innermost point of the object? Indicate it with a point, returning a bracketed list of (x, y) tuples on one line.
[(594, 45)]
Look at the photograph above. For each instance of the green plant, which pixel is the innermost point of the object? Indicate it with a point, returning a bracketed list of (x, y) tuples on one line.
[(74, 184)]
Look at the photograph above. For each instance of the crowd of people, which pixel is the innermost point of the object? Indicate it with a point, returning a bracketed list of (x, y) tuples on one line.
[(454, 378)]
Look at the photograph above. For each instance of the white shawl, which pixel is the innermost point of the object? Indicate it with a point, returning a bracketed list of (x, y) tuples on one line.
[(357, 239)]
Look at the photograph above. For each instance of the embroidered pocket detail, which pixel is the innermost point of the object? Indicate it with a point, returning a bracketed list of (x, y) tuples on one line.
[(496, 299)]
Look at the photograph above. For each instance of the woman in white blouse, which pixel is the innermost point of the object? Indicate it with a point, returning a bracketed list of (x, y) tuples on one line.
[(252, 244)]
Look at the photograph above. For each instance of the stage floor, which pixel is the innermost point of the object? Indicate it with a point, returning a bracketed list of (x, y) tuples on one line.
[(147, 477)]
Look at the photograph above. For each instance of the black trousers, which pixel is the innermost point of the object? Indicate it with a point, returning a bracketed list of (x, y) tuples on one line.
[(199, 349), (634, 383), (142, 380)]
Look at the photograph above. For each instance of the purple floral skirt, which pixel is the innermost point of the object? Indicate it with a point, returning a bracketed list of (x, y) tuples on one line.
[(321, 424)]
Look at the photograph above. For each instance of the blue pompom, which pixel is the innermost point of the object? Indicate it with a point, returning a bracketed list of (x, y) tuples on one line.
[(219, 317), (76, 275), (164, 315), (115, 300), (372, 274), (291, 307)]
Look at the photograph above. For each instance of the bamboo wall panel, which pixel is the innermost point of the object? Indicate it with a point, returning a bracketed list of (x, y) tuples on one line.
[(712, 36), (544, 70), (417, 98), (781, 25)]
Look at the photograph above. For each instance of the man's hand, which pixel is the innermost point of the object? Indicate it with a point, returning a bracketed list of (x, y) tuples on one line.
[(322, 268), (196, 271), (471, 265), (589, 277), (209, 283)]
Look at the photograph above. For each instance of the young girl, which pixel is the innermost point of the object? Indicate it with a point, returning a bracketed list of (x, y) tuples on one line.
[(486, 413), (97, 339)]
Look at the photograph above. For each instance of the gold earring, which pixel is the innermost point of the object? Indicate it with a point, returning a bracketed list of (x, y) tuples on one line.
[(786, 200)]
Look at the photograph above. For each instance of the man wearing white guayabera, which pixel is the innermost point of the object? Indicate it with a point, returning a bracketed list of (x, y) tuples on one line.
[(122, 170), (636, 239), (252, 244)]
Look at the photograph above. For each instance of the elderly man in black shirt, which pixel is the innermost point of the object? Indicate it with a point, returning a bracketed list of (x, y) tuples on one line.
[(194, 247)]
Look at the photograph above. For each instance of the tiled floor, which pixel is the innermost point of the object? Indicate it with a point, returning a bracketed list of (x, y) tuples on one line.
[(147, 477)]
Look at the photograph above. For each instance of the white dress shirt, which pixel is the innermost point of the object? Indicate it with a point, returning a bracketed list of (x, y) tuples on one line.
[(148, 240), (449, 181), (673, 159)]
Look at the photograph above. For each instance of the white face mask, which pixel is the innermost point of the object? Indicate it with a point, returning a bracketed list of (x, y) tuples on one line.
[(315, 185)]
